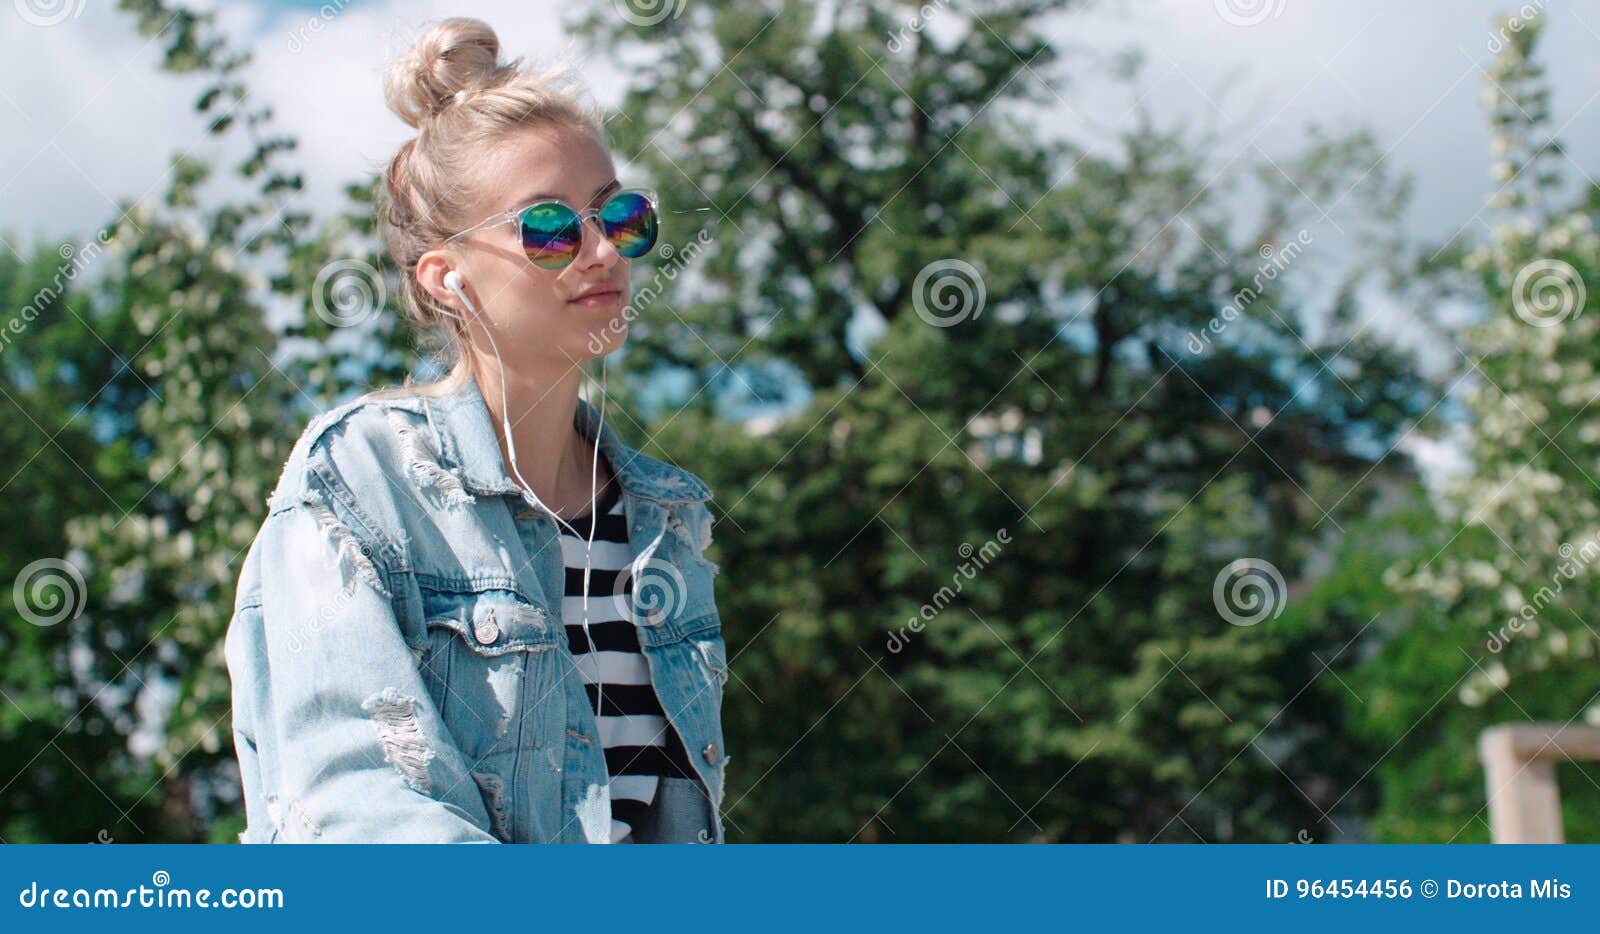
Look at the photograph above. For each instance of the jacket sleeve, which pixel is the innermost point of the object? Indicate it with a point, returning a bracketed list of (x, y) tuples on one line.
[(360, 750)]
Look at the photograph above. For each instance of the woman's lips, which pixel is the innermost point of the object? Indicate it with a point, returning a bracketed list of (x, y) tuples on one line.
[(599, 299)]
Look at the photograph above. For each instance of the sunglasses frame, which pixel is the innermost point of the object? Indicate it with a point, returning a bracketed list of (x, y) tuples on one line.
[(514, 216)]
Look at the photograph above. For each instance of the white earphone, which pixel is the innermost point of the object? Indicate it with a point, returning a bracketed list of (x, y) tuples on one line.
[(453, 282)]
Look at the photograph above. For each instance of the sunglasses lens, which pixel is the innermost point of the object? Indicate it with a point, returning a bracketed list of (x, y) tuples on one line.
[(629, 220), (550, 235)]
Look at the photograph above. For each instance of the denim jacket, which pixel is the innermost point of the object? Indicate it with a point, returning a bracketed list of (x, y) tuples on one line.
[(399, 666)]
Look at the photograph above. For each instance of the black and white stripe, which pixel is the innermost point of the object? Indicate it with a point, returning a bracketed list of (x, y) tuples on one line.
[(640, 745)]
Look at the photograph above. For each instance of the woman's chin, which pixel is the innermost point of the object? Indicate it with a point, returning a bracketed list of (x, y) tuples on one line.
[(608, 335)]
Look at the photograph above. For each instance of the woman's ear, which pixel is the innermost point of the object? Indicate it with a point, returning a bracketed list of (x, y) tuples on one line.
[(431, 269)]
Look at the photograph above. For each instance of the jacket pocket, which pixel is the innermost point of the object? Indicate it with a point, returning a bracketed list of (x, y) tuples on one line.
[(485, 652)]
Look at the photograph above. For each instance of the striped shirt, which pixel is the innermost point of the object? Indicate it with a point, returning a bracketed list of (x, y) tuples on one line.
[(640, 744)]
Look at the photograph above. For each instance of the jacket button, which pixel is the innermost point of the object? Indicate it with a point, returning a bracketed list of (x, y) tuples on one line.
[(486, 630), (710, 753)]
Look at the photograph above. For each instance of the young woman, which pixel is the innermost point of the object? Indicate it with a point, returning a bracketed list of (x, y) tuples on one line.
[(473, 613)]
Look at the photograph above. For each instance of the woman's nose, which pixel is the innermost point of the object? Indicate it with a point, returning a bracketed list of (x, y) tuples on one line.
[(599, 247)]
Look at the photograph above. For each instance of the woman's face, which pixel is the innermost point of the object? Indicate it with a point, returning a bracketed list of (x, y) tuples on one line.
[(544, 320)]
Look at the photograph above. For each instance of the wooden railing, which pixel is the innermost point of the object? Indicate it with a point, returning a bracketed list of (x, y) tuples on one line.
[(1519, 765)]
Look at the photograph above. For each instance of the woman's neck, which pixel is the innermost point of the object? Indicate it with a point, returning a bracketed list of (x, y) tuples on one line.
[(553, 459)]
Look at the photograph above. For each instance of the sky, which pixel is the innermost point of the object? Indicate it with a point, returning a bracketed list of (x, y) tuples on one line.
[(90, 120)]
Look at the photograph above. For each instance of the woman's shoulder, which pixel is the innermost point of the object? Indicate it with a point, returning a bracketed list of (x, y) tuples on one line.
[(356, 443)]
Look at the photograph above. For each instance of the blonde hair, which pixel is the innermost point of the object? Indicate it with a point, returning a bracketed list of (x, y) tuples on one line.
[(452, 87)]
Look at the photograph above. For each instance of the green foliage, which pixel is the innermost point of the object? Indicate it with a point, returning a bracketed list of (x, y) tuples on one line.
[(1496, 580), (1082, 685), (57, 743), (968, 584), (179, 405)]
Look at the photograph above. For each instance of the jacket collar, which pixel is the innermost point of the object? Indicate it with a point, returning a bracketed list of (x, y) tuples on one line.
[(468, 437)]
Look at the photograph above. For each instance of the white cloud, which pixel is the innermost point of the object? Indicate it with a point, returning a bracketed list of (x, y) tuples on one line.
[(329, 93), (1411, 72), (88, 121), (90, 118)]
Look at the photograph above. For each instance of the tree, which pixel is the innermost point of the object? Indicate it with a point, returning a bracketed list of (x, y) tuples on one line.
[(1049, 399), (65, 392), (1070, 365), (168, 461), (1499, 596)]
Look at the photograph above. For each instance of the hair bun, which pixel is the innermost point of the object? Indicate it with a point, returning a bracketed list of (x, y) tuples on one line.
[(448, 59)]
